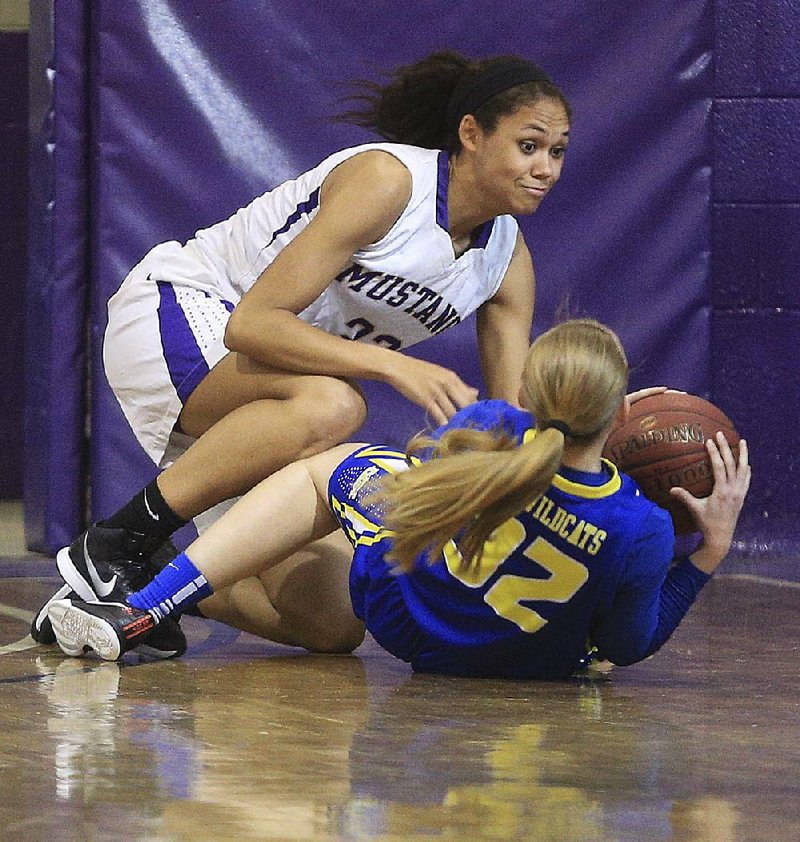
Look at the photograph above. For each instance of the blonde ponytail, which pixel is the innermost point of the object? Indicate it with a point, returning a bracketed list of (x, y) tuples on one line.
[(574, 380), (475, 481)]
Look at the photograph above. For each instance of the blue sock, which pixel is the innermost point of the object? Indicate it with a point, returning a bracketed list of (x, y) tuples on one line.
[(180, 584)]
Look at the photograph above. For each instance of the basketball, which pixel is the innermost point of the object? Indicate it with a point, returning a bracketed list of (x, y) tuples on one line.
[(662, 445)]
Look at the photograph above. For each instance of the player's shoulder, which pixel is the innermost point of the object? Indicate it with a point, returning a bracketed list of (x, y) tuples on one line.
[(652, 517), (495, 415), (370, 167), (389, 157)]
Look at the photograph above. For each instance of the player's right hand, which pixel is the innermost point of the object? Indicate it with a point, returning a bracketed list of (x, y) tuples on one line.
[(717, 514), (439, 391)]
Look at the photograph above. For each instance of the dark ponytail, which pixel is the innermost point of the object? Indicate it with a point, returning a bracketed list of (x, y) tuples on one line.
[(411, 106), (414, 104)]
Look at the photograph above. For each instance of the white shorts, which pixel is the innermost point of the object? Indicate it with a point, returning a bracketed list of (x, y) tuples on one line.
[(161, 341)]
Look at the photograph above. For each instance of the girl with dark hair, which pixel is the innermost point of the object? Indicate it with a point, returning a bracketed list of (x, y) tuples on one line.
[(232, 355), (497, 547)]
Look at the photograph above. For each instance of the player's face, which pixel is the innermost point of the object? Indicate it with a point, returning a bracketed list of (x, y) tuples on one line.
[(520, 160)]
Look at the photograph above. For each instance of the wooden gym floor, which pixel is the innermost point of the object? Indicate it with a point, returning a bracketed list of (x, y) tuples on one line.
[(243, 740)]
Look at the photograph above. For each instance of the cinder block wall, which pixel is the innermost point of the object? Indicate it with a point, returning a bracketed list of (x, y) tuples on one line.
[(13, 236), (756, 252)]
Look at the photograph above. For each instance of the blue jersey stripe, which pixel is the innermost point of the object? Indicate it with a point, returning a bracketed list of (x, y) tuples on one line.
[(303, 208), (442, 179), (185, 361), (480, 236)]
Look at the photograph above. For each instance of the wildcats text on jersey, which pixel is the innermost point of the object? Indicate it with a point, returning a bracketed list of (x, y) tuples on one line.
[(580, 533), (425, 305)]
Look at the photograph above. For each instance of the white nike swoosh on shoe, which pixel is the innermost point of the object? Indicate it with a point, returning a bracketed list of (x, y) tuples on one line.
[(149, 510), (101, 587)]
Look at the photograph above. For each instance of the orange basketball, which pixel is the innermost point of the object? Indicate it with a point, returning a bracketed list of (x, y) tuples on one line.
[(662, 445)]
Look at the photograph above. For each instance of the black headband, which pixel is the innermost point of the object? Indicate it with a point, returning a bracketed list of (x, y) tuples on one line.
[(474, 89), (555, 424)]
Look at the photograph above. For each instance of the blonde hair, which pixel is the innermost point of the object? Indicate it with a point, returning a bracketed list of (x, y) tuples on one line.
[(575, 374)]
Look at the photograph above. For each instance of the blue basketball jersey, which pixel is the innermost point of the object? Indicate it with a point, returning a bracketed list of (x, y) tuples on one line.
[(584, 562)]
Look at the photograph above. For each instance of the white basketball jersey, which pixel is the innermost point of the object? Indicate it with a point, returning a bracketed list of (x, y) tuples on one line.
[(400, 290)]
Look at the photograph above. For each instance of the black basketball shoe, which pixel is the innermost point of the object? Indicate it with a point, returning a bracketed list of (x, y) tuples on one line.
[(41, 627), (108, 628), (106, 565), (166, 641)]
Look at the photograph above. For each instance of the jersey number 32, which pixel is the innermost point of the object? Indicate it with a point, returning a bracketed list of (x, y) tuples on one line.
[(507, 594)]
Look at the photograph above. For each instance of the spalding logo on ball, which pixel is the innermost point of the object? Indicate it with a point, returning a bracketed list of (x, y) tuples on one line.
[(662, 445)]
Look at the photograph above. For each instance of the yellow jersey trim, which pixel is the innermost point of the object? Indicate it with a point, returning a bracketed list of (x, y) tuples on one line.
[(579, 489)]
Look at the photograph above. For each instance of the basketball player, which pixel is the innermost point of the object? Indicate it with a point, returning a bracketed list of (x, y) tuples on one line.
[(505, 546), (231, 356)]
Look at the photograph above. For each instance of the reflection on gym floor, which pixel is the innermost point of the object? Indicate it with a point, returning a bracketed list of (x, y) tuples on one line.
[(244, 740)]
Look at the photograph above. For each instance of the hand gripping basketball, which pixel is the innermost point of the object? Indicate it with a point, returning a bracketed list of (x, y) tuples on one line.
[(662, 445), (716, 515)]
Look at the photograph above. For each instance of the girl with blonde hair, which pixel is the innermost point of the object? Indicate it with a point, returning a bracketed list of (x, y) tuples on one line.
[(501, 545)]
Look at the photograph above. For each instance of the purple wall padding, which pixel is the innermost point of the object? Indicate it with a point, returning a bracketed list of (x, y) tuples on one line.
[(187, 129), (55, 481), (755, 394), (756, 261), (13, 253)]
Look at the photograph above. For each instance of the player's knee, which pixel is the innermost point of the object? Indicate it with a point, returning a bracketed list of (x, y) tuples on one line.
[(339, 409), (328, 629), (334, 639)]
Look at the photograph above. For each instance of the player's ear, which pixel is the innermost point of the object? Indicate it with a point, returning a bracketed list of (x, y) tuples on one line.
[(468, 131)]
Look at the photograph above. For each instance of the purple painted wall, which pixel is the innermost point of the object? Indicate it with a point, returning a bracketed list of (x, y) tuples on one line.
[(699, 274), (13, 253), (625, 235), (756, 254)]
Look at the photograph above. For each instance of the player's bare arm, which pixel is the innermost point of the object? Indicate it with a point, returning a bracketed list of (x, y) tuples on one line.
[(504, 327), (361, 200)]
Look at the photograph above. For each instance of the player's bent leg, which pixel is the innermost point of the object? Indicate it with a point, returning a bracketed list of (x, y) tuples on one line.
[(321, 466), (303, 601), (280, 516), (246, 606), (249, 422), (311, 593), (273, 418), (237, 380)]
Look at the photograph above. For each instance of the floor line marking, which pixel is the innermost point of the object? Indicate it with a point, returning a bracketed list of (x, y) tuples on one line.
[(761, 580), (26, 642), (16, 613)]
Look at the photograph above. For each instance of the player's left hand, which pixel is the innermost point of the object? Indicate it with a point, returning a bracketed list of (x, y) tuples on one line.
[(717, 514)]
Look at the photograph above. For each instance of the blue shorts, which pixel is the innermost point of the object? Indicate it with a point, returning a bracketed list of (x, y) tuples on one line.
[(375, 585)]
